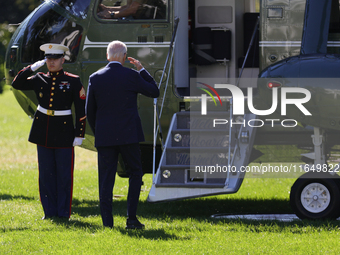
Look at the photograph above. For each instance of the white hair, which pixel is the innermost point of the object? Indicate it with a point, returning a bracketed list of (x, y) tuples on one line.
[(116, 49)]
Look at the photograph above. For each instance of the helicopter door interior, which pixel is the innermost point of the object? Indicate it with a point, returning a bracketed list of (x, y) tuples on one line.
[(211, 45), (212, 48), (334, 29)]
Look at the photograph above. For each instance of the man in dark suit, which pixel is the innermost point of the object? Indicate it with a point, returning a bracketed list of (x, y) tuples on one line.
[(53, 129), (111, 110)]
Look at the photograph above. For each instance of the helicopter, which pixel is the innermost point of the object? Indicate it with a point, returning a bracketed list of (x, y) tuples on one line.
[(210, 58)]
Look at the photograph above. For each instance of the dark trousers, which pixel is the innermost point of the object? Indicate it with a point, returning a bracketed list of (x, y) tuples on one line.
[(56, 180), (107, 168)]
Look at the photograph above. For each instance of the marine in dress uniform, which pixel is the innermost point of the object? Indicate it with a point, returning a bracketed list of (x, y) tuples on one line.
[(53, 129), (112, 113)]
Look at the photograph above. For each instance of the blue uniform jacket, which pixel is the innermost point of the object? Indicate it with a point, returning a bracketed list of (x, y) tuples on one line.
[(55, 91), (111, 106)]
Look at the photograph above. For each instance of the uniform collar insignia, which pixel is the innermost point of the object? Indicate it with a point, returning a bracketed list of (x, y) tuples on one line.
[(61, 72)]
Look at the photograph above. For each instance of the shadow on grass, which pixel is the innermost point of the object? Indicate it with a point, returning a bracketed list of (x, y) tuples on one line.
[(75, 224), (14, 197), (195, 208), (152, 234), (197, 211), (205, 207)]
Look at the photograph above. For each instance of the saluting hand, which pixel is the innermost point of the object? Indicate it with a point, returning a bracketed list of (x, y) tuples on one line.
[(135, 62), (38, 64)]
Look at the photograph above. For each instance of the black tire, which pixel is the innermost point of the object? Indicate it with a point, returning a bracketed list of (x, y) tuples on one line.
[(321, 196)]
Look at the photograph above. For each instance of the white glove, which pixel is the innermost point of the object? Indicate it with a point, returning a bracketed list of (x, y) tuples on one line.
[(78, 141), (38, 64)]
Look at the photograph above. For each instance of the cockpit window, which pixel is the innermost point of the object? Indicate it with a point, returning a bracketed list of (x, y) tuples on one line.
[(77, 8), (47, 26), (132, 9)]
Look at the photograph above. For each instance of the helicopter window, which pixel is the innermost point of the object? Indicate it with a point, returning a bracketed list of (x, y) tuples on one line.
[(132, 9), (47, 26), (77, 8)]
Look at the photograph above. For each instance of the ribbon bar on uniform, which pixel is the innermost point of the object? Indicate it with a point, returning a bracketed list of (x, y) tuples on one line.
[(54, 112)]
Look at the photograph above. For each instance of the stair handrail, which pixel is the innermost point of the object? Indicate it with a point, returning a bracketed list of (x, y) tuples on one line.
[(157, 114), (229, 143), (248, 50), (231, 160)]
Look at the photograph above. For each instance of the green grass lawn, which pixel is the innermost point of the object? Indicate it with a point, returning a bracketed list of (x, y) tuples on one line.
[(180, 227)]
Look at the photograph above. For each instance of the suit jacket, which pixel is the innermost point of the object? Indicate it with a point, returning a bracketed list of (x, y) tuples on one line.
[(111, 106), (54, 91)]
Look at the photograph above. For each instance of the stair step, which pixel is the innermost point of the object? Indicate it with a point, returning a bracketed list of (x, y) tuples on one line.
[(201, 138), (195, 160), (197, 156), (180, 175)]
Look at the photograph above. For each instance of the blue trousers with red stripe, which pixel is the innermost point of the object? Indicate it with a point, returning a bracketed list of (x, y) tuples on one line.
[(56, 180)]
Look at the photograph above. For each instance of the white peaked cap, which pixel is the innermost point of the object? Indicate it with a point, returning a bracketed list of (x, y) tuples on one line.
[(53, 49)]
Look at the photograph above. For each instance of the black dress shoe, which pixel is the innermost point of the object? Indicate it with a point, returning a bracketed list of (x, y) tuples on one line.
[(134, 224)]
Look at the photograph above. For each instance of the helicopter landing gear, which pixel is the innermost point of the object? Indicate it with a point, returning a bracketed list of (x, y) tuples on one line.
[(316, 194)]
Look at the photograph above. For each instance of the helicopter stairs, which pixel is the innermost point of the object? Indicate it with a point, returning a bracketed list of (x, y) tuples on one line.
[(200, 159)]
